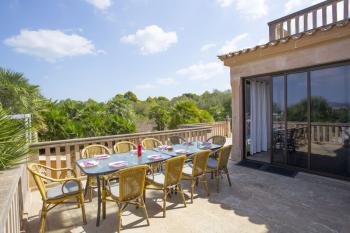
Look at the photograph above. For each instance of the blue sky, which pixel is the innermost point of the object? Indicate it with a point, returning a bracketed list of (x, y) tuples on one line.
[(82, 49)]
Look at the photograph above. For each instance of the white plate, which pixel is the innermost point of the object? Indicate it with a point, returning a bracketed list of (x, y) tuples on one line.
[(90, 163), (103, 156), (118, 164), (154, 157)]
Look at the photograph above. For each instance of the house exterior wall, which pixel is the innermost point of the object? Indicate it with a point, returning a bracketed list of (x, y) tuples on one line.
[(296, 54)]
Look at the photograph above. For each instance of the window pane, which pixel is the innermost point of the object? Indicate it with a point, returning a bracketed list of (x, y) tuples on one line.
[(330, 118), (297, 131), (278, 119)]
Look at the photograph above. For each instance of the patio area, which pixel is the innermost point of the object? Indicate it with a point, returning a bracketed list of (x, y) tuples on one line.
[(257, 202)]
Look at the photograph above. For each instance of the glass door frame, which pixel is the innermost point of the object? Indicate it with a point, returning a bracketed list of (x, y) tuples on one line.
[(308, 71)]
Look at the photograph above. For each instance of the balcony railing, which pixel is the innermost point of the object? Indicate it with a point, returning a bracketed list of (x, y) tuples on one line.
[(64, 153), (222, 128), (319, 15)]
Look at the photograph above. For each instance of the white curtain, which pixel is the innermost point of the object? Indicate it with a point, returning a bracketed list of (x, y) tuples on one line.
[(259, 109)]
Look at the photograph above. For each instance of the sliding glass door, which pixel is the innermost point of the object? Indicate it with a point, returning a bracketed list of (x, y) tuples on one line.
[(330, 120), (290, 119), (305, 117)]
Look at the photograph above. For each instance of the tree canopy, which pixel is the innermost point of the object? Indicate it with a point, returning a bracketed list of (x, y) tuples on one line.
[(68, 118)]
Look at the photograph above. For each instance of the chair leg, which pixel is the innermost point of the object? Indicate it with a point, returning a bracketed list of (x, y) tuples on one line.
[(90, 193), (179, 188), (78, 202), (43, 218), (165, 194), (205, 183), (143, 206), (218, 181), (228, 176), (82, 207), (103, 203), (193, 183), (120, 209)]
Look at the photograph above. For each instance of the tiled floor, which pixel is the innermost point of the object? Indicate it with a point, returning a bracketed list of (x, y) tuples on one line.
[(256, 202)]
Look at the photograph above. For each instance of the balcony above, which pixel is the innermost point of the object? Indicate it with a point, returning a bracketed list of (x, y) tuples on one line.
[(322, 23), (320, 15)]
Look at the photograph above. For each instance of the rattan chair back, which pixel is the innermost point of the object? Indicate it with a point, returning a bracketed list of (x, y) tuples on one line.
[(176, 140), (35, 170), (150, 143), (95, 149), (224, 155), (173, 170), (218, 140), (124, 146), (132, 182), (200, 161)]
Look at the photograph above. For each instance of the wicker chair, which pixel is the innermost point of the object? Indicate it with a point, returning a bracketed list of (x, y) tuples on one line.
[(197, 170), (150, 143), (129, 190), (168, 180), (124, 146), (176, 140), (89, 152), (218, 140), (66, 188), (220, 165)]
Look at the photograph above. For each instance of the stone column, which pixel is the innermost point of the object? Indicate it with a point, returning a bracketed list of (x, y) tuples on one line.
[(237, 121)]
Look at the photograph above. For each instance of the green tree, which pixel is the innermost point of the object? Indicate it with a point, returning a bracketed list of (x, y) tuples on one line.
[(17, 96), (130, 96), (160, 115), (186, 112), (13, 141), (120, 106)]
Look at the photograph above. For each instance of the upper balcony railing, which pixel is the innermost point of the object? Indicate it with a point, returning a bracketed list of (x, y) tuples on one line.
[(319, 15)]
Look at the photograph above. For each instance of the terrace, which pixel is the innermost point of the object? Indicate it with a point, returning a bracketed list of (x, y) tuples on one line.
[(259, 200)]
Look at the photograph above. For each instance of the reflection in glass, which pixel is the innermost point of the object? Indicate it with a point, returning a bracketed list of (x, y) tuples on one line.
[(278, 119), (297, 130), (330, 120)]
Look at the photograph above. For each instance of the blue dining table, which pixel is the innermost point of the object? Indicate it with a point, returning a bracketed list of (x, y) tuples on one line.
[(130, 159)]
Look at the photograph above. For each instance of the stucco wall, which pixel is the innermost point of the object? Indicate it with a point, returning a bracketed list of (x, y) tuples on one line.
[(322, 53)]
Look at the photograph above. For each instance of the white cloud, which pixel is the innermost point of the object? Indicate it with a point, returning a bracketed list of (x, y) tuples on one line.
[(145, 86), (294, 5), (224, 3), (207, 47), (234, 44), (152, 39), (166, 81), (50, 44), (202, 71), (250, 8), (100, 4)]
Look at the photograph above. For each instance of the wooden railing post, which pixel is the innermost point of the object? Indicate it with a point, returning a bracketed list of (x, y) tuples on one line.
[(346, 9), (334, 12)]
